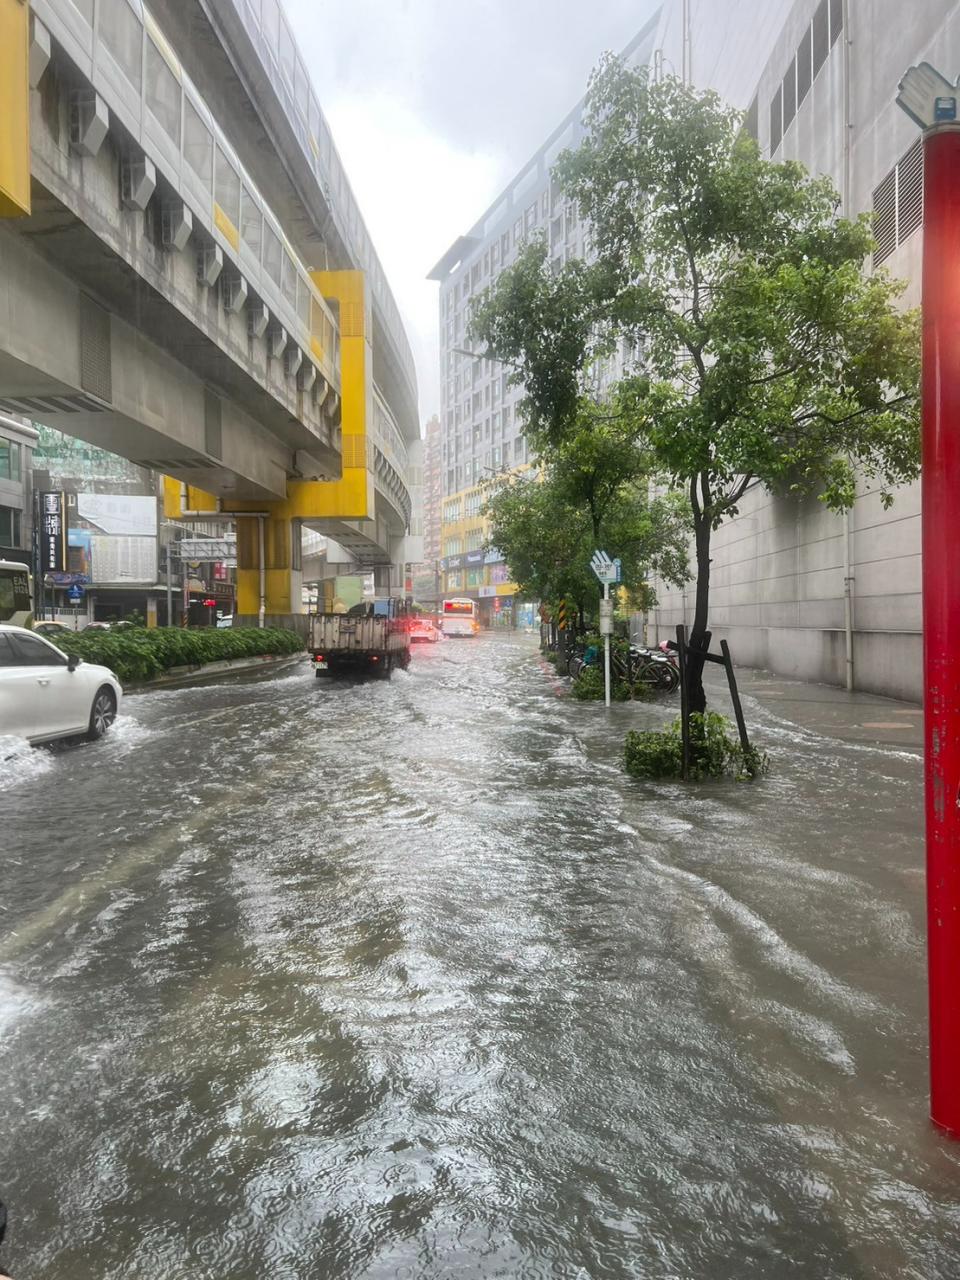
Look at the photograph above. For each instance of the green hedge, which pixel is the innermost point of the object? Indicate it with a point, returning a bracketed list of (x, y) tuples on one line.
[(140, 655)]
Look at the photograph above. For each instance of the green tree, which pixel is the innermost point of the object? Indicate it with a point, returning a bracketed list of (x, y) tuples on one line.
[(764, 354), (593, 492)]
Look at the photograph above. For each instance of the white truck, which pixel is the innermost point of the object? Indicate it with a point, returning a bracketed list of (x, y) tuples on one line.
[(368, 643)]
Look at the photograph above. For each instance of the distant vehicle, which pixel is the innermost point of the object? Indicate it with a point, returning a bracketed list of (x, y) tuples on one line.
[(52, 629), (368, 643), (16, 594), (423, 631), (97, 626), (46, 694), (225, 622), (459, 618)]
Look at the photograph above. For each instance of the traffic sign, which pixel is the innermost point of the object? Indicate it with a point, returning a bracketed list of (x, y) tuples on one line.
[(606, 570), (75, 594)]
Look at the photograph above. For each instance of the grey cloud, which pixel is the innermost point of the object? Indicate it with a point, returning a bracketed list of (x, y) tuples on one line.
[(494, 75)]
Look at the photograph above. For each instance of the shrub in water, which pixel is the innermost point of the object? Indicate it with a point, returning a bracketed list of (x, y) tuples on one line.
[(588, 687), (714, 751)]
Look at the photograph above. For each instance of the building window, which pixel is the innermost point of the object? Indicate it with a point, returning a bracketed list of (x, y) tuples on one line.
[(9, 527), (821, 37), (121, 32), (227, 187), (163, 93), (287, 53), (9, 460), (776, 120), (789, 96), (452, 546), (804, 66), (197, 144), (898, 203), (270, 24), (272, 253), (474, 539)]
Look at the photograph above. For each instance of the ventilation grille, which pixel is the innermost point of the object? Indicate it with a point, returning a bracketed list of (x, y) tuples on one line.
[(351, 320), (47, 405), (95, 372), (898, 203), (910, 192), (885, 217), (354, 451)]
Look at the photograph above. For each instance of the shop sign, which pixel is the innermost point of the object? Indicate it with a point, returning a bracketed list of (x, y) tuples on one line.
[(53, 533)]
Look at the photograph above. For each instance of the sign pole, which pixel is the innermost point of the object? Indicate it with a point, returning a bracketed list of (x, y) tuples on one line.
[(941, 611), (606, 652), (931, 101)]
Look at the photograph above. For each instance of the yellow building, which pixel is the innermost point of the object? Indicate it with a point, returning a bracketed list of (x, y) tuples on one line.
[(467, 569)]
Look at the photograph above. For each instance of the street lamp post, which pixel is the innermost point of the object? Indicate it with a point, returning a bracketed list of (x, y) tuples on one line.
[(931, 101)]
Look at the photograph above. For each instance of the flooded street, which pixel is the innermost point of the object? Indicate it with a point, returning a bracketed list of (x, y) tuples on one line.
[(311, 980)]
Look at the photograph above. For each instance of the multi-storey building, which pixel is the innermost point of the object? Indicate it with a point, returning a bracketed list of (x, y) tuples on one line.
[(17, 441), (481, 428), (432, 491)]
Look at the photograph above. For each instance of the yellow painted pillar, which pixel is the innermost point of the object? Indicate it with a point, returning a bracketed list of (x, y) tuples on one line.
[(281, 576), (14, 109)]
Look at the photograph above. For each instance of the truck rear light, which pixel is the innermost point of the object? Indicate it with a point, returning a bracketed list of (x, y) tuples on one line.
[(318, 657)]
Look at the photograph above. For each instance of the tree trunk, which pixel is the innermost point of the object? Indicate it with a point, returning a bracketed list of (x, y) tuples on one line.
[(697, 697)]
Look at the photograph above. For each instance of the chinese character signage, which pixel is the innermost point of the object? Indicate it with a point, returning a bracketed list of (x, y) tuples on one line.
[(53, 533)]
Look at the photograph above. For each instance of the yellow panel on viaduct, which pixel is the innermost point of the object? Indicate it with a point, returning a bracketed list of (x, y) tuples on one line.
[(14, 108)]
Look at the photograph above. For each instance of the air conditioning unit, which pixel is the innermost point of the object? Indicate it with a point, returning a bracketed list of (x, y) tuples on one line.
[(39, 50), (138, 181), (276, 341), (292, 360), (209, 265), (233, 293), (306, 375), (176, 226), (258, 317), (89, 122)]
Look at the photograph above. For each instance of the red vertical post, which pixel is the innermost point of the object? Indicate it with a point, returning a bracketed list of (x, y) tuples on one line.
[(941, 611)]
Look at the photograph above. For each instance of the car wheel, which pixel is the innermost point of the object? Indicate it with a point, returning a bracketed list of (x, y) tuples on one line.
[(102, 714)]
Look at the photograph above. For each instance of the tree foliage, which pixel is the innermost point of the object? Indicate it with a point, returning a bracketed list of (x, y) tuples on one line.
[(764, 354), (593, 491)]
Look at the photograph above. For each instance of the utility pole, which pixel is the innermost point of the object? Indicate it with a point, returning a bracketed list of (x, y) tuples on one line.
[(930, 100)]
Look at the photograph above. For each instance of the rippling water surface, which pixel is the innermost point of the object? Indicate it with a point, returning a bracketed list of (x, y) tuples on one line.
[(307, 980)]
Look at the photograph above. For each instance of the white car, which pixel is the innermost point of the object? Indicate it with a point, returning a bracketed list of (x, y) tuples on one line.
[(45, 695)]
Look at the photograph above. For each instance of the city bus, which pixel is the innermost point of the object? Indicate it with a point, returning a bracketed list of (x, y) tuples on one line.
[(459, 618), (16, 594)]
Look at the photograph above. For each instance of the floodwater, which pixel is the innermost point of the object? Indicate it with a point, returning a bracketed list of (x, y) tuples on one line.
[(310, 980)]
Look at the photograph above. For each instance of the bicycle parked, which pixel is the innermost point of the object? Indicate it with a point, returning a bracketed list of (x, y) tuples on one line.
[(655, 668)]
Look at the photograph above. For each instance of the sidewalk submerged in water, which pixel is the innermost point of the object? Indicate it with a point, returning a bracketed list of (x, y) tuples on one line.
[(825, 709)]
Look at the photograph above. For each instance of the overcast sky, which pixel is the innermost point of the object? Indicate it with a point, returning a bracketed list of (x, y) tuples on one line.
[(434, 106)]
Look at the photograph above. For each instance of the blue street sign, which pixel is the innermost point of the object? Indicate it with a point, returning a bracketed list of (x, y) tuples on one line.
[(75, 594)]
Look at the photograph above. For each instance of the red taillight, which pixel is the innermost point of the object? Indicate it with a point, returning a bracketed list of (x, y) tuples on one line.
[(318, 657), (374, 658)]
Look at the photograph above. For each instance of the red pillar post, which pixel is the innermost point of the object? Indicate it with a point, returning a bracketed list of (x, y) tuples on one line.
[(941, 611)]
